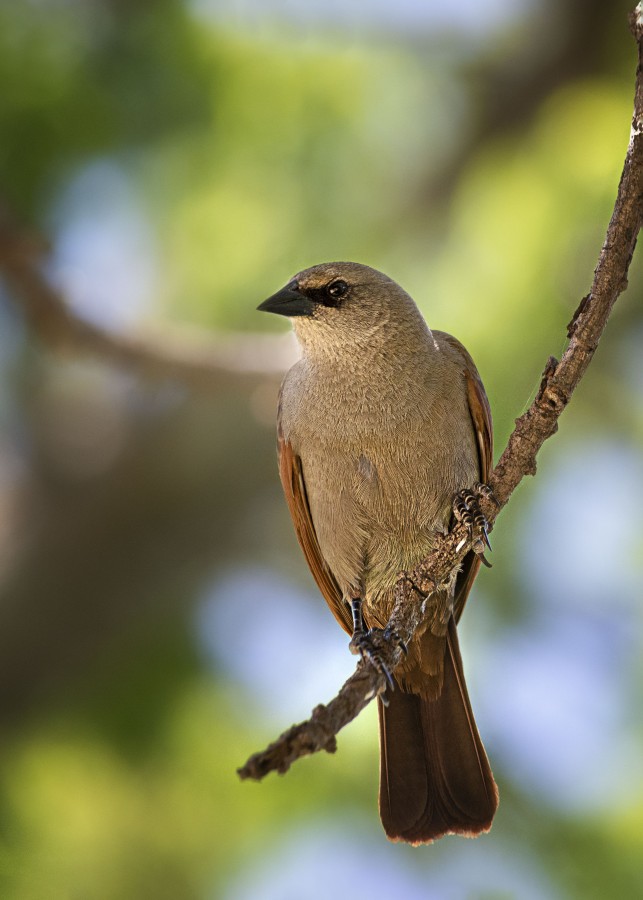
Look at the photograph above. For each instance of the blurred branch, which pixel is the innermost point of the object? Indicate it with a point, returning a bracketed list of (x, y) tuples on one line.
[(519, 458), (189, 356)]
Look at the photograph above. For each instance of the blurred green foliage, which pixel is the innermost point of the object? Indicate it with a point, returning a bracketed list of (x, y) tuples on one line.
[(91, 78), (253, 153)]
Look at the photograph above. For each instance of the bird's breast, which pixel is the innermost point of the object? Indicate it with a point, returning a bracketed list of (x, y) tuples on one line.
[(381, 465)]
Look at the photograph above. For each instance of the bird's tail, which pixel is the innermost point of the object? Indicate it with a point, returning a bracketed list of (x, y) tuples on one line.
[(435, 777)]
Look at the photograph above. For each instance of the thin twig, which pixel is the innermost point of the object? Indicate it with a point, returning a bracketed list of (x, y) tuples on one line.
[(519, 458)]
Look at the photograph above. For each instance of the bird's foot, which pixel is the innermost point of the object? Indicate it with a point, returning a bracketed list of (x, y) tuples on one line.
[(372, 645), (392, 637), (466, 508), (375, 644)]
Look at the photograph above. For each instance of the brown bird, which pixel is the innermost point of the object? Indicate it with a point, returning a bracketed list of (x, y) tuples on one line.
[(381, 423)]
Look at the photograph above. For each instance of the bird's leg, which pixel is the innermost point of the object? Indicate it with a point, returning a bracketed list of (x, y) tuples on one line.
[(370, 644), (466, 508), (389, 633), (358, 618)]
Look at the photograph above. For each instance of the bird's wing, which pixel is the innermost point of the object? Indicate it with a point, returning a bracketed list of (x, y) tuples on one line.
[(481, 418), (480, 412), (292, 480)]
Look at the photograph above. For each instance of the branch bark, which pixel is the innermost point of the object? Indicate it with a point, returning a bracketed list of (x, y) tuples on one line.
[(540, 422)]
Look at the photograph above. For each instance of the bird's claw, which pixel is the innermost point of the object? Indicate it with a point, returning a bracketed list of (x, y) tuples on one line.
[(483, 490), (391, 636), (466, 508), (369, 645)]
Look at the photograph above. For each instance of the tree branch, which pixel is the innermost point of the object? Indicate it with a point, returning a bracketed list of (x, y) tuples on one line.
[(189, 356), (519, 458)]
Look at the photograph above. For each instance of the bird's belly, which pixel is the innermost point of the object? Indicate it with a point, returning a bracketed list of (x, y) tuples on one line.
[(377, 512)]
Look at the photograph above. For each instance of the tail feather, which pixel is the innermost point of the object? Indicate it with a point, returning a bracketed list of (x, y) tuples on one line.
[(435, 777)]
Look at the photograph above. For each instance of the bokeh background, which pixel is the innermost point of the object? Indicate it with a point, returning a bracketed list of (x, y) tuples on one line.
[(164, 166)]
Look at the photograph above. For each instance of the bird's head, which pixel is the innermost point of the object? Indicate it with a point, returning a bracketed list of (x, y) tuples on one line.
[(344, 303)]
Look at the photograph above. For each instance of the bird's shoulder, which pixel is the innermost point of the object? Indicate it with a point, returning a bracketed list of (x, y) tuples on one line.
[(454, 350)]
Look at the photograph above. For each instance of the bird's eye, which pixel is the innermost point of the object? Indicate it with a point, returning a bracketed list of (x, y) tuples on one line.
[(337, 289)]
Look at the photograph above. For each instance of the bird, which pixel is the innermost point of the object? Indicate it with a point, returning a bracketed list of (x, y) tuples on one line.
[(382, 425)]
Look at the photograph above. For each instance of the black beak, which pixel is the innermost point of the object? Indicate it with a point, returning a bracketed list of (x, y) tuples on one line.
[(288, 302)]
